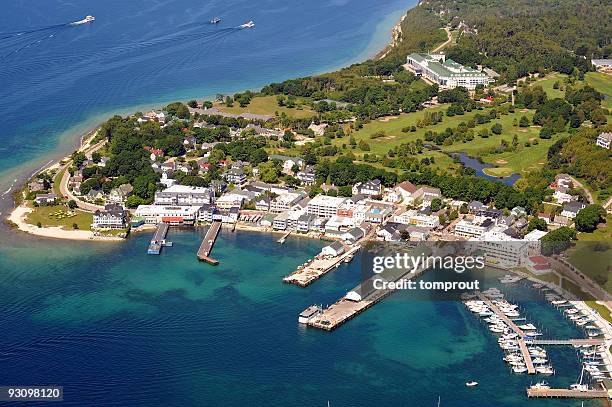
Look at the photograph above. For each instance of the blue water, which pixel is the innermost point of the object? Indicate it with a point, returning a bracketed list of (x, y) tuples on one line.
[(142, 53), (117, 327), (478, 166)]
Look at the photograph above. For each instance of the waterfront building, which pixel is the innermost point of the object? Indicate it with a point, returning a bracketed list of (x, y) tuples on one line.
[(263, 203), (502, 249), (324, 206), (415, 218), (353, 235), (184, 195), (174, 215), (285, 202), (280, 221), (473, 228), (112, 217), (229, 200), (304, 222), (447, 73), (604, 140), (333, 250)]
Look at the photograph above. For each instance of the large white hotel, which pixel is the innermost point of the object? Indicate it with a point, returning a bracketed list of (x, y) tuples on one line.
[(446, 72)]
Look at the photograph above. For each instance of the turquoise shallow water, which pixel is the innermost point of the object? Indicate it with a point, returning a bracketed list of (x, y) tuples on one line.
[(117, 327)]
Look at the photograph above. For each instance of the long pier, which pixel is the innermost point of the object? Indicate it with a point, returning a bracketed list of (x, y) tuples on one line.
[(521, 341), (159, 238), (567, 393), (572, 342), (317, 268), (350, 306), (208, 242)]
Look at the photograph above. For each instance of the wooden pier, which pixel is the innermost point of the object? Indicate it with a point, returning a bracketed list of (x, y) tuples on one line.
[(567, 393), (571, 342), (283, 238), (208, 242), (159, 239), (317, 268)]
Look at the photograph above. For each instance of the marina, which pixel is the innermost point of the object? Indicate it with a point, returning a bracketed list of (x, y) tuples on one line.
[(159, 239), (208, 243)]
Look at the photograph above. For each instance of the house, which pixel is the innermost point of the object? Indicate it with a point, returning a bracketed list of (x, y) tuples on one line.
[(335, 249), (304, 222), (389, 233), (318, 129), (230, 216), (369, 188), (218, 186), (426, 194), (415, 218), (288, 162), (602, 64), (447, 73), (94, 195), (353, 235), (561, 220), (307, 176), (120, 194), (174, 215), (235, 176), (45, 199), (112, 217), (263, 203), (405, 190), (166, 180), (285, 202), (263, 131), (378, 213), (518, 212), (267, 220), (474, 228), (103, 161), (475, 206), (37, 185), (604, 140), (190, 141), (280, 222), (155, 153), (571, 209)]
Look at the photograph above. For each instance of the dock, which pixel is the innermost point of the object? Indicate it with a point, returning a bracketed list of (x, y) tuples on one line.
[(571, 342), (208, 243), (567, 393), (356, 301), (283, 238), (159, 239), (521, 341), (317, 268)]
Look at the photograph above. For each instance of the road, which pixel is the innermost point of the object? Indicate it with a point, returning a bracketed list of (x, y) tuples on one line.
[(586, 191), (444, 44), (86, 206)]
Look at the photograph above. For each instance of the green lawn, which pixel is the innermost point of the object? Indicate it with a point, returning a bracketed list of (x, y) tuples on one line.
[(547, 84), (60, 215), (603, 83), (267, 105), (522, 160), (601, 309)]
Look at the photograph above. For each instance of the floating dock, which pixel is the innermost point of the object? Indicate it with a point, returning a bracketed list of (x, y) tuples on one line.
[(521, 341), (317, 268), (159, 239), (283, 238), (208, 242)]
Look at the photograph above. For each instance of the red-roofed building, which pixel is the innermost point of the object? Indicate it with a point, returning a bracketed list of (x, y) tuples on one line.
[(539, 264)]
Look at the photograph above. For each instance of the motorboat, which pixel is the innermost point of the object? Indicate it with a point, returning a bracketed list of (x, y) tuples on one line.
[(540, 385), (471, 384), (86, 20), (248, 24), (215, 20)]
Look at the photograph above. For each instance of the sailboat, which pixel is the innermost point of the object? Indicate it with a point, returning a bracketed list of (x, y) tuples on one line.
[(579, 386)]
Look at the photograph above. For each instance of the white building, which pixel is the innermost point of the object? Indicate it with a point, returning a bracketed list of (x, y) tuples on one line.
[(604, 140), (414, 218), (370, 188), (184, 195), (502, 249), (446, 72), (405, 191), (230, 200), (324, 206), (285, 202), (174, 215), (334, 249), (112, 217), (473, 228)]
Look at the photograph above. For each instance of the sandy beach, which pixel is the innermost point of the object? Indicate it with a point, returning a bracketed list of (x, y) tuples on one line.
[(18, 218)]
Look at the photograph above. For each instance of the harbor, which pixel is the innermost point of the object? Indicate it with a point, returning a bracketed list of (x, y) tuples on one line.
[(208, 243), (159, 239)]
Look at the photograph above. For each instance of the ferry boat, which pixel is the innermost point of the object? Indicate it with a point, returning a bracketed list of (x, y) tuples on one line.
[(86, 20), (248, 24), (309, 313), (215, 20)]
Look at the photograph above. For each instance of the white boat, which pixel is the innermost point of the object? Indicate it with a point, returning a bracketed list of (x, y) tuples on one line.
[(249, 24), (86, 20), (471, 384), (519, 369), (545, 370), (215, 20), (309, 313), (540, 385), (528, 327), (579, 386)]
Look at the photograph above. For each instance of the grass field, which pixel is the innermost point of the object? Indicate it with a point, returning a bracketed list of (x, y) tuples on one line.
[(521, 160), (603, 83), (547, 84), (267, 105), (58, 216), (601, 309)]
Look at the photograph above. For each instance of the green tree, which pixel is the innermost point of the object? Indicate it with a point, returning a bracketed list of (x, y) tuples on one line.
[(537, 223), (524, 121), (72, 204), (588, 218), (496, 128), (557, 240), (436, 204)]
